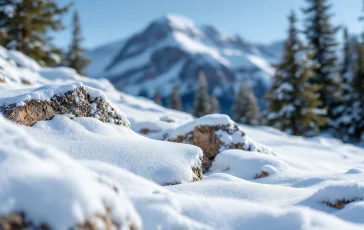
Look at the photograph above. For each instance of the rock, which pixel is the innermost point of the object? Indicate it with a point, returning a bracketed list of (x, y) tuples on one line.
[(339, 204), (76, 102), (167, 119), (214, 134), (262, 174), (26, 82)]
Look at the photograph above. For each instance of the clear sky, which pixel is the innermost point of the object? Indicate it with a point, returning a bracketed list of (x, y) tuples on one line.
[(259, 21)]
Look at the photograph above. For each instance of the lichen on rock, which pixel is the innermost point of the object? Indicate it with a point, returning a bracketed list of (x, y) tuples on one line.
[(76, 102)]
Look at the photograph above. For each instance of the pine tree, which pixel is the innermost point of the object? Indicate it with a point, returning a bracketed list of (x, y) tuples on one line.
[(320, 34), (74, 58), (245, 108), (175, 101), (215, 104), (350, 125), (202, 105), (347, 55), (25, 25), (293, 100), (157, 97)]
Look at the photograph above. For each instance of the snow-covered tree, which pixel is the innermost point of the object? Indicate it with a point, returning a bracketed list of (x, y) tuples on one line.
[(175, 100), (293, 100), (25, 25), (321, 36), (202, 105), (245, 108), (75, 58), (157, 97), (215, 104)]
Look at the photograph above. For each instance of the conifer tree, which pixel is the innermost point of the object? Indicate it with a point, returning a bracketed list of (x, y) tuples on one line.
[(157, 97), (346, 54), (320, 34), (350, 125), (293, 100), (25, 24), (215, 104), (202, 105), (245, 108), (74, 58), (175, 101)]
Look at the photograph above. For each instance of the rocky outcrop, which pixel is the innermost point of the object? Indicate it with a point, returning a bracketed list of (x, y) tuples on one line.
[(340, 203), (214, 134), (76, 102)]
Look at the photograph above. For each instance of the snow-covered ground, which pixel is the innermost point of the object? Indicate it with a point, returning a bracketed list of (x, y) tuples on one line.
[(65, 171)]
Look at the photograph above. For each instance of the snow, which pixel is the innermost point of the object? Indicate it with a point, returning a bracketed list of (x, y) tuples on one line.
[(231, 161), (51, 188), (66, 170), (46, 93), (90, 139), (338, 191), (208, 120)]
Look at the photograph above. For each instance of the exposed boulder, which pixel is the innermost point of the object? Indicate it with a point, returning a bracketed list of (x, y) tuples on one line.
[(45, 102), (214, 134)]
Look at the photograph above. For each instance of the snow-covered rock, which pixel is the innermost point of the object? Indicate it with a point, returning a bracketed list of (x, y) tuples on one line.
[(248, 165), (43, 187), (214, 134), (45, 102), (338, 194)]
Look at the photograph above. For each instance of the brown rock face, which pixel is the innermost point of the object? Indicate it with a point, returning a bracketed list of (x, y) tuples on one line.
[(76, 102), (210, 140), (340, 203), (262, 174)]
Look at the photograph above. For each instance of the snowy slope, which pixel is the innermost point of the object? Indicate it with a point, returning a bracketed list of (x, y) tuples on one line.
[(173, 50), (91, 160)]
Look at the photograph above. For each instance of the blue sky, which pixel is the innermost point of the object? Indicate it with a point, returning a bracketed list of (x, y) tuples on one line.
[(259, 21)]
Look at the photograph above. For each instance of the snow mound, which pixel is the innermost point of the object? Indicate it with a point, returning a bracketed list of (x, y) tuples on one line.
[(343, 191), (51, 189), (247, 165), (214, 134), (352, 212), (90, 139)]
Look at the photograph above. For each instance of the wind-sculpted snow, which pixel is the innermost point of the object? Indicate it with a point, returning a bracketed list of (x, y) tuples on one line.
[(48, 189), (71, 172), (90, 139)]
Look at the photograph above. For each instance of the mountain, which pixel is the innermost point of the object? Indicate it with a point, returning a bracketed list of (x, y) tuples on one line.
[(173, 50)]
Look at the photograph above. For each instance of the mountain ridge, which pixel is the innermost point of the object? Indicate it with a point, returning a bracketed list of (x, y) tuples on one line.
[(173, 50)]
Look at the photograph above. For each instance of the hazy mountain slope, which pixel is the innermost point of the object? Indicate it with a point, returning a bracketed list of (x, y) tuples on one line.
[(173, 50)]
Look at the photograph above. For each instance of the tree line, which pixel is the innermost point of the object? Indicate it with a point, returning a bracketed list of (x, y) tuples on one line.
[(312, 90), (25, 26)]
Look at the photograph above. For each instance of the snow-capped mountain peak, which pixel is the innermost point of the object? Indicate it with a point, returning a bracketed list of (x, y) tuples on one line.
[(174, 50)]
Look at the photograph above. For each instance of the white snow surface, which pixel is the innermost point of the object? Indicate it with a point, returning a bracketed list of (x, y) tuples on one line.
[(51, 188), (76, 164)]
